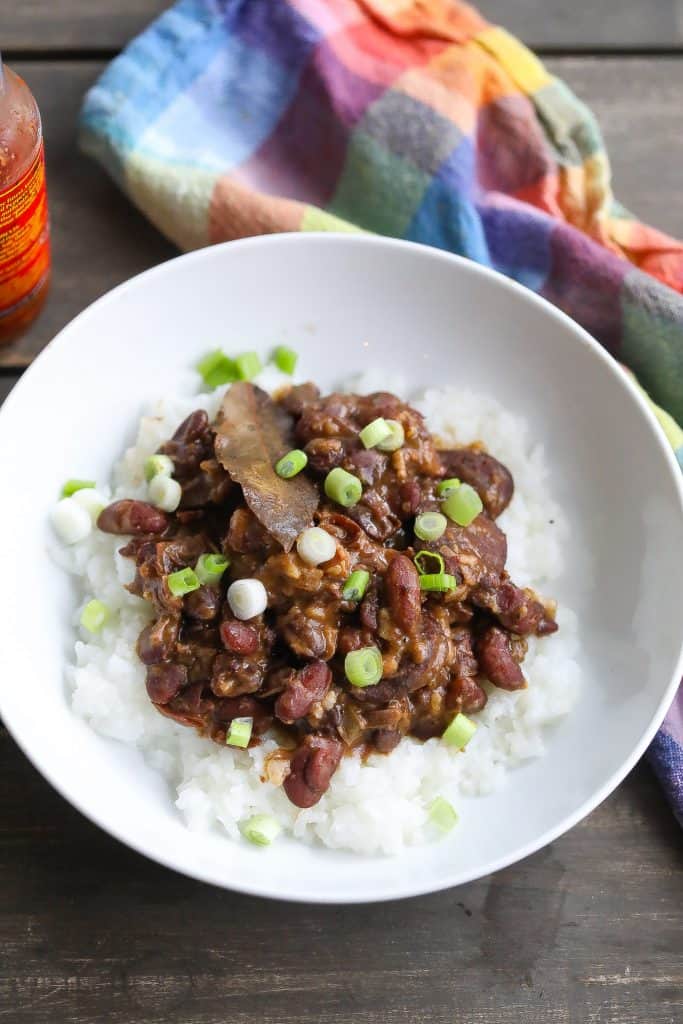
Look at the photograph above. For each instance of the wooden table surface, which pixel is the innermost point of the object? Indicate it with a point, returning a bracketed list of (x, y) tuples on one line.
[(588, 931)]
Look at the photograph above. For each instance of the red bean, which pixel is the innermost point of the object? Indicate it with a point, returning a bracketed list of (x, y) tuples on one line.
[(403, 593), (136, 517), (312, 768), (308, 685), (496, 661), (203, 604), (239, 638), (157, 641), (165, 681)]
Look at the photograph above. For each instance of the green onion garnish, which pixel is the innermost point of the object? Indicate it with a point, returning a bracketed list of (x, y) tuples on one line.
[(430, 525), (364, 667), (285, 359), (378, 430), (447, 487), (71, 486), (216, 368), (438, 582), (210, 568), (291, 463), (260, 829), (395, 439), (459, 732), (421, 557), (462, 505), (158, 465), (94, 616), (342, 487), (356, 585), (248, 365), (182, 582), (442, 814), (239, 733)]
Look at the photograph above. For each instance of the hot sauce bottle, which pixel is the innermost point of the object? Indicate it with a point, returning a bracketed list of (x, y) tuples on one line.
[(24, 229)]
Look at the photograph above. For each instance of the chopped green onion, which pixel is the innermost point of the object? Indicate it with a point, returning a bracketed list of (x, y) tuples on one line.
[(395, 439), (239, 732), (182, 582), (378, 430), (291, 463), (447, 487), (463, 505), (459, 732), (165, 492), (71, 486), (422, 555), (158, 465), (364, 667), (315, 545), (247, 598), (71, 521), (442, 814), (438, 581), (356, 585), (94, 616), (342, 487), (210, 568), (92, 501), (430, 525), (248, 365), (216, 368), (285, 359), (260, 829)]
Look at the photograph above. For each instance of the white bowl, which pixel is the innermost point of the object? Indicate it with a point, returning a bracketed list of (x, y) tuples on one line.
[(346, 302)]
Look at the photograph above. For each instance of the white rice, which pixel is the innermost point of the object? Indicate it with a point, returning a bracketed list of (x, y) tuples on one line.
[(379, 806)]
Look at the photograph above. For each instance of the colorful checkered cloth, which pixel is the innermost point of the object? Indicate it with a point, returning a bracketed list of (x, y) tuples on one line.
[(412, 118)]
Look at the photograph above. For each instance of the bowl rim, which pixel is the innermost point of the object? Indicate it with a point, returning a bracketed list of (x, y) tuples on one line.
[(621, 379)]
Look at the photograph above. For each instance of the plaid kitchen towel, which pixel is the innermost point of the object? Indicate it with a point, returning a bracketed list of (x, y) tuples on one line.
[(413, 118)]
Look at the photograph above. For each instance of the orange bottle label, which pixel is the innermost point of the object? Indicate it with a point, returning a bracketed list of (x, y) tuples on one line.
[(24, 237)]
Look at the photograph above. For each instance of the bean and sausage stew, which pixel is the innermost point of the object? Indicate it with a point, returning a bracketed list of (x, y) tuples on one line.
[(319, 568)]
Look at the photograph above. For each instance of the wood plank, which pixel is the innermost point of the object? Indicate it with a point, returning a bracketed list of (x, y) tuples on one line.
[(74, 24), (611, 24), (100, 239), (637, 103), (7, 382), (586, 930)]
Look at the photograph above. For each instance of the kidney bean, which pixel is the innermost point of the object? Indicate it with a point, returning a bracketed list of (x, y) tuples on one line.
[(489, 477), (496, 661), (193, 427), (129, 516), (465, 694), (402, 585), (308, 685), (518, 610), (386, 740), (203, 605), (157, 641), (312, 768), (239, 637), (165, 681)]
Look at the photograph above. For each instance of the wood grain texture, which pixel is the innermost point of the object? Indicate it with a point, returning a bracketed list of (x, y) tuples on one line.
[(50, 25), (587, 930), (100, 239), (7, 382)]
